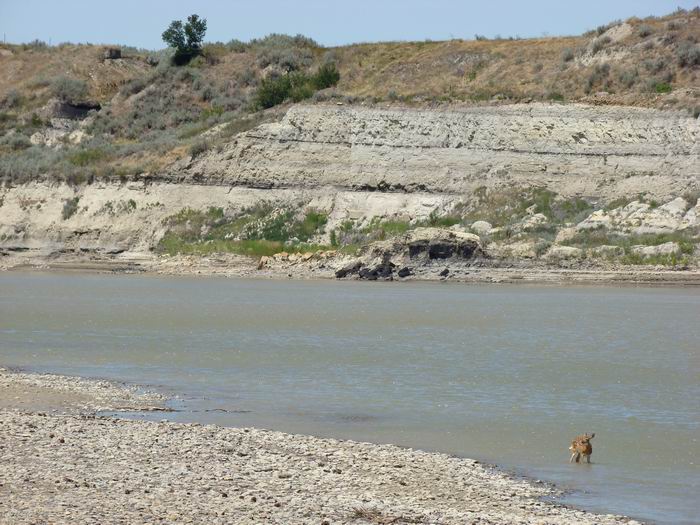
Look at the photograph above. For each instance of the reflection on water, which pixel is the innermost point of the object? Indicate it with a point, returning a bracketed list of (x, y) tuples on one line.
[(502, 374)]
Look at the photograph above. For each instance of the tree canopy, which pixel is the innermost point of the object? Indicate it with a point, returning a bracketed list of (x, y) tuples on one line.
[(186, 38)]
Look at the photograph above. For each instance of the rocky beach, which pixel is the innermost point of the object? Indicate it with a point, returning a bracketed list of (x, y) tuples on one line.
[(63, 462), (243, 197)]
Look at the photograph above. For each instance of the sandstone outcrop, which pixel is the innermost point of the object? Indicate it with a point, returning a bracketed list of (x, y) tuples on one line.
[(369, 166), (572, 150), (640, 218)]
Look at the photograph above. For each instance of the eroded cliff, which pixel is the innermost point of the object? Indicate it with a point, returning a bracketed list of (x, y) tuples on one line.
[(573, 150), (532, 180)]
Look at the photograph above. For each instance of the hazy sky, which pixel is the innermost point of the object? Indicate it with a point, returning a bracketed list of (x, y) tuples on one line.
[(140, 22)]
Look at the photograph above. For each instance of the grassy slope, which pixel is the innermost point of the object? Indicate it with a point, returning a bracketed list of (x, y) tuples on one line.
[(448, 70), (559, 68)]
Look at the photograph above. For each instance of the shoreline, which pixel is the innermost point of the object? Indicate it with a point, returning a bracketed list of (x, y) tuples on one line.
[(75, 465), (236, 266)]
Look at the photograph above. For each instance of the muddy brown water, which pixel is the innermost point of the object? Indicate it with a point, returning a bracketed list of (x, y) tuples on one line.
[(504, 374)]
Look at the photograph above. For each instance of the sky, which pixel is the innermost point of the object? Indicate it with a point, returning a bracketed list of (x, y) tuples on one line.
[(140, 23)]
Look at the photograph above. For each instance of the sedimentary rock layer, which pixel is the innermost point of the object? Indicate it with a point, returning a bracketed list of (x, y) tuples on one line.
[(573, 150)]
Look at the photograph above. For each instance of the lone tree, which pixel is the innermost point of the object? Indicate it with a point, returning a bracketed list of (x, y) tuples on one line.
[(186, 38)]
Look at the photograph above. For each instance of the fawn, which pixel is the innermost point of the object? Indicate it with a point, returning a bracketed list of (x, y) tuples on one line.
[(581, 446)]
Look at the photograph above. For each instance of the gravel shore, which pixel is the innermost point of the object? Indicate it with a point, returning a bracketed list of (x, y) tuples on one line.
[(73, 466)]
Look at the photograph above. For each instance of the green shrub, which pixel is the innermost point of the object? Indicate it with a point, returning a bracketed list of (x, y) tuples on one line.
[(629, 77), (326, 76), (237, 46), (571, 210), (291, 59), (134, 86), (567, 55), (297, 86), (644, 30), (392, 228), (198, 148), (599, 43), (12, 99), (654, 260), (16, 141), (273, 91), (301, 87), (69, 89), (598, 76), (186, 38), (258, 231), (688, 54), (70, 207), (312, 224), (662, 87), (444, 221), (654, 65), (281, 41)]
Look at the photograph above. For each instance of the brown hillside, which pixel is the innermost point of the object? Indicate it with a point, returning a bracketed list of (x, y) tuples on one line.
[(152, 113)]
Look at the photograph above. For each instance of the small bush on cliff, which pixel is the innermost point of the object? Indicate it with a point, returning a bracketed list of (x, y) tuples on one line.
[(198, 148), (69, 89), (12, 99), (326, 76), (688, 54), (273, 91), (662, 87), (16, 141), (70, 207)]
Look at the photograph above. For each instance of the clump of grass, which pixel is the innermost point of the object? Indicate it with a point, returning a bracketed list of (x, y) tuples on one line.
[(260, 230), (620, 202), (199, 147), (672, 259), (662, 87), (629, 77), (85, 157), (686, 240), (598, 77), (173, 244), (644, 30), (688, 54), (442, 221), (377, 229), (599, 43)]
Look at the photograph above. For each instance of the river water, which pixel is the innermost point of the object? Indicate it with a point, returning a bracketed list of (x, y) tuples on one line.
[(504, 374)]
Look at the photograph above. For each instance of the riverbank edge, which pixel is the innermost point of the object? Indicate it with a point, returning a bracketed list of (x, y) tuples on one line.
[(425, 490), (236, 266)]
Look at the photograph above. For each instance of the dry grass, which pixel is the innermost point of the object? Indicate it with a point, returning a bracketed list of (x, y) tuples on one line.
[(639, 53), (557, 68), (162, 111)]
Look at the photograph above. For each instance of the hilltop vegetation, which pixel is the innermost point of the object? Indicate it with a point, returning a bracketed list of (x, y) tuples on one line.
[(143, 112)]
